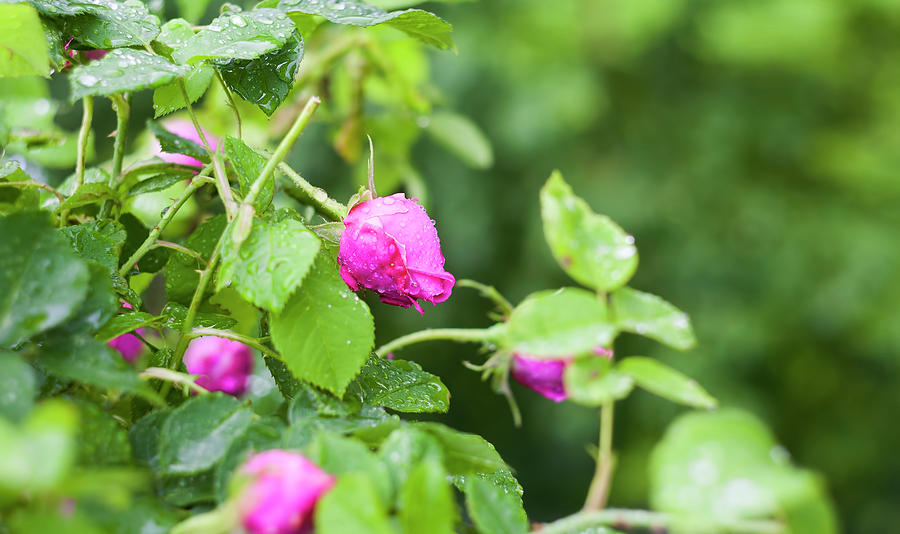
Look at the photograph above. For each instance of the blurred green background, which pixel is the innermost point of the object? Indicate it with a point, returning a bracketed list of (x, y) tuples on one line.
[(750, 148)]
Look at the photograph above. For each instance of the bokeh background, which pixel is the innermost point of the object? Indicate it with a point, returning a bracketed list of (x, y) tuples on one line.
[(752, 150)]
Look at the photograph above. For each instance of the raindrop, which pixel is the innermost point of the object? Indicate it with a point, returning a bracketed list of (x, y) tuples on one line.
[(88, 80)]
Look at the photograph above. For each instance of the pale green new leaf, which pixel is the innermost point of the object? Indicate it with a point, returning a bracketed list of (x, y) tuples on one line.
[(666, 382), (238, 35), (650, 316), (23, 49)]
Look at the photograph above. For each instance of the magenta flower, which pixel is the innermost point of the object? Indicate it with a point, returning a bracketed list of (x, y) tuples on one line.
[(282, 496), (89, 54), (222, 364), (391, 247), (185, 128), (546, 376), (128, 345)]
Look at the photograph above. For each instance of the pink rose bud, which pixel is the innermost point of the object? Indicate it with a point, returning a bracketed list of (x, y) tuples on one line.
[(390, 246), (546, 376), (185, 128), (222, 364), (282, 496), (128, 345)]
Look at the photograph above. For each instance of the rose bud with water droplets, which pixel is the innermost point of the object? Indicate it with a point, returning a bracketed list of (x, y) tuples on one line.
[(546, 376), (390, 246), (222, 364), (282, 493)]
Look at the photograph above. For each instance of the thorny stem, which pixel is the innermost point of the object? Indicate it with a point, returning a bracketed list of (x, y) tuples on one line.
[(473, 335), (489, 292), (655, 521), (318, 197), (122, 105), (249, 341), (35, 184), (222, 185), (599, 490), (198, 182), (205, 277), (231, 103)]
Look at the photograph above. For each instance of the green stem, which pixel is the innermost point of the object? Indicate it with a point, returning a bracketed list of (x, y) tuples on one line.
[(205, 277), (35, 184), (283, 147), (180, 248), (318, 197), (655, 521), (122, 105), (489, 292), (167, 217), (172, 377), (87, 116), (249, 341), (231, 103), (222, 185), (599, 490), (473, 335)]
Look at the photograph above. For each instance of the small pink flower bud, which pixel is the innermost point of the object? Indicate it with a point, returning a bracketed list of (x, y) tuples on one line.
[(185, 128), (546, 376), (390, 246), (128, 345), (222, 364), (283, 492)]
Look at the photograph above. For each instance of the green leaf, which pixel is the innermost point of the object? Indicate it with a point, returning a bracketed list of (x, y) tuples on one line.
[(101, 441), (169, 98), (97, 242), (267, 80), (238, 35), (401, 386), (494, 509), (87, 194), (591, 248), (247, 165), (87, 360), (422, 25), (173, 35), (262, 434), (325, 333), (553, 324), (407, 447), (666, 382), (160, 182), (426, 503), (197, 434), (173, 315), (312, 409), (650, 316), (98, 306), (729, 462), (352, 505), (462, 137), (23, 50), (464, 453), (123, 70), (144, 438), (19, 387), (125, 323), (339, 456), (181, 271), (110, 24), (591, 380), (174, 144), (270, 264), (137, 233), (41, 281), (61, 8)]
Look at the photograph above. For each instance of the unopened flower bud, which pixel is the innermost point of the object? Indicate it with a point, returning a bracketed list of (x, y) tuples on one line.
[(390, 246), (282, 493), (546, 376), (221, 364)]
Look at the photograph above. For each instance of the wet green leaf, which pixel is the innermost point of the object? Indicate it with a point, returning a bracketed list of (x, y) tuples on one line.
[(591, 248), (101, 440), (248, 164), (592, 380), (464, 453), (160, 182), (401, 386), (553, 324), (41, 281), (125, 323), (270, 264), (175, 144), (87, 194), (87, 360), (407, 447), (123, 70), (325, 333), (426, 503), (352, 505), (666, 382), (422, 25), (173, 315), (494, 509), (238, 35), (196, 435), (267, 80), (169, 98), (22, 42), (650, 316), (18, 387), (339, 456), (181, 270), (108, 24)]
